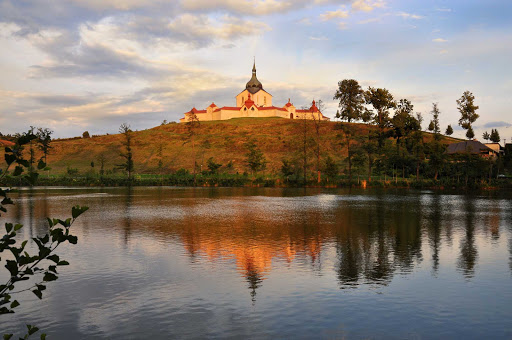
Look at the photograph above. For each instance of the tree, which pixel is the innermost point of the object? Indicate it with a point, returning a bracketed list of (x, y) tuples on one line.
[(486, 135), (102, 158), (86, 134), (317, 124), (381, 100), (37, 269), (331, 168), (44, 138), (470, 134), (212, 166), (351, 100), (495, 136), (449, 130), (435, 122), (467, 108), (124, 129), (256, 161), (287, 168)]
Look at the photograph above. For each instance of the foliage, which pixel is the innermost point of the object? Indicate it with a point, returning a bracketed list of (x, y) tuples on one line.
[(86, 134), (212, 166), (467, 108), (382, 101), (331, 169), (44, 138), (449, 130), (486, 135), (254, 157), (495, 136), (38, 269), (351, 100), (127, 166)]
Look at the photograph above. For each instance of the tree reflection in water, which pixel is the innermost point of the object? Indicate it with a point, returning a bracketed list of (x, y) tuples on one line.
[(468, 251)]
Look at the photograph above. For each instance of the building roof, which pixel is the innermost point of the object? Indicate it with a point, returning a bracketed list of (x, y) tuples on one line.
[(254, 85), (473, 146)]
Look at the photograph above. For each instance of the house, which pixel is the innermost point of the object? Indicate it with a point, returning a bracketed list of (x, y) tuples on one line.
[(473, 147)]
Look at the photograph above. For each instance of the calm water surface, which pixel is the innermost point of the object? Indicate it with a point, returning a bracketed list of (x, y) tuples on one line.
[(273, 263)]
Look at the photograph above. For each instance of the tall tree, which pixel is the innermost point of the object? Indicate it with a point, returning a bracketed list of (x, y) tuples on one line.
[(449, 130), (44, 138), (467, 108), (435, 121), (125, 130), (495, 136), (351, 100), (401, 120), (382, 101), (317, 124)]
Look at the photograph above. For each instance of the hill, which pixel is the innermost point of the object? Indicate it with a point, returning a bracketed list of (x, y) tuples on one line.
[(223, 140)]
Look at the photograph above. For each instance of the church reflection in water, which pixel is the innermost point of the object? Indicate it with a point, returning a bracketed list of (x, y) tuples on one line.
[(364, 239)]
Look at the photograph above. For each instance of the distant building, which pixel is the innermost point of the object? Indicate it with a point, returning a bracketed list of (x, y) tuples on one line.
[(254, 101), (496, 147), (473, 147)]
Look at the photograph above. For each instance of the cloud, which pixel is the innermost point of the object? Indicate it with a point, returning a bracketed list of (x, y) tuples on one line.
[(409, 16), (305, 21), (439, 40), (443, 9), (329, 15), (321, 38), (497, 124), (366, 5), (247, 7)]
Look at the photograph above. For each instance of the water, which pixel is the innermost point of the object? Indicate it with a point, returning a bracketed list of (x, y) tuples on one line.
[(273, 263)]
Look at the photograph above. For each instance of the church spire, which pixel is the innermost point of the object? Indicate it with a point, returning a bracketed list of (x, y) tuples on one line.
[(254, 85), (254, 67)]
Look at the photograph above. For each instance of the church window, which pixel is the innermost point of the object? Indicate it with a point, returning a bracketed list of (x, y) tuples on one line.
[(252, 108)]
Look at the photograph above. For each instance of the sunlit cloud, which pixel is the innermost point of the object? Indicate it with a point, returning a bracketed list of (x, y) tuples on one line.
[(330, 15), (439, 40)]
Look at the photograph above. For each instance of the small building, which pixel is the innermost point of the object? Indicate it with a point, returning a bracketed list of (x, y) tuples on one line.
[(496, 147), (254, 101), (473, 147)]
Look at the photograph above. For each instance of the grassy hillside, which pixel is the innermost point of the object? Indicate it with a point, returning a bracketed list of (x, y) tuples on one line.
[(223, 140)]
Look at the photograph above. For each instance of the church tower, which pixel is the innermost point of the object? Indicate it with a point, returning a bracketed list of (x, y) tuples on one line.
[(255, 88)]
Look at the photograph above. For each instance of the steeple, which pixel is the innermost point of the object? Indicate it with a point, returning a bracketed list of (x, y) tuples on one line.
[(254, 85)]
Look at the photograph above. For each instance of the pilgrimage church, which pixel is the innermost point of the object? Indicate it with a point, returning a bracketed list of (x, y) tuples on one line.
[(254, 101)]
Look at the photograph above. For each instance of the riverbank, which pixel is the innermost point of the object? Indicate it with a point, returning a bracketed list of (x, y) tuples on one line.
[(244, 180)]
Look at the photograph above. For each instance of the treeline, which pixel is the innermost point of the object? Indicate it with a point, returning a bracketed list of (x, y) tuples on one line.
[(377, 140)]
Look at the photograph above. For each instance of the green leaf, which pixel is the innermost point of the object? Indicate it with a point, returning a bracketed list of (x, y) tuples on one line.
[(6, 201), (72, 239), (50, 222), (18, 227), (9, 158), (40, 287), (38, 293), (53, 269), (32, 329), (17, 171), (49, 277), (78, 210), (43, 336), (15, 304), (63, 263), (12, 266), (8, 227), (54, 258), (41, 164), (7, 336)]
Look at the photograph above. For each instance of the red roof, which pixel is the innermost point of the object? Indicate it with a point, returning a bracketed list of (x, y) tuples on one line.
[(233, 108), (212, 105), (272, 108), (288, 104)]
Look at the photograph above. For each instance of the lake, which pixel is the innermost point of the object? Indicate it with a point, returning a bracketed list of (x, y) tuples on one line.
[(272, 263)]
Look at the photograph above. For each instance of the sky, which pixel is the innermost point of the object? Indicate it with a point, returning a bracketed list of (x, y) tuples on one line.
[(91, 65)]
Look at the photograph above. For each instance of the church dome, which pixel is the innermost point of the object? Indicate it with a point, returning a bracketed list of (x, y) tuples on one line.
[(254, 85)]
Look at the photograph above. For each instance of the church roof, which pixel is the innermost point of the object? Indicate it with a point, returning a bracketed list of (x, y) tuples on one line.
[(254, 85)]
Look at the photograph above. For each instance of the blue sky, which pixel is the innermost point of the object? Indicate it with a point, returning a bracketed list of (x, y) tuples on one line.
[(76, 65)]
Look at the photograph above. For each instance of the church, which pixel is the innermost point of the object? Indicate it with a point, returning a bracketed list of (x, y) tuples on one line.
[(254, 101)]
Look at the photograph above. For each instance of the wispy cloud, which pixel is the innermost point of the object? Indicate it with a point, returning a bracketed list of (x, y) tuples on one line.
[(409, 16), (439, 40), (366, 5), (443, 9), (321, 38), (330, 15)]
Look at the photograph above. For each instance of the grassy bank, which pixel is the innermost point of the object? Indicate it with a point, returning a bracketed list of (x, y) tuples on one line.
[(241, 180)]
